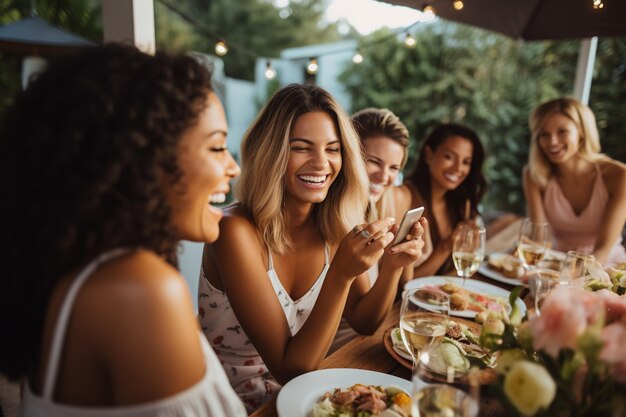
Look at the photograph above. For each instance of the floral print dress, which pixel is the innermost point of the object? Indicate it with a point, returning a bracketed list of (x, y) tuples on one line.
[(244, 366)]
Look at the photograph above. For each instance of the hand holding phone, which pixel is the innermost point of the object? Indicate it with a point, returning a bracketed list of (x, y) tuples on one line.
[(409, 218)]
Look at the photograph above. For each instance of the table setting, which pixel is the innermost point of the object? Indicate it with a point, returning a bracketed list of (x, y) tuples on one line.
[(473, 345)]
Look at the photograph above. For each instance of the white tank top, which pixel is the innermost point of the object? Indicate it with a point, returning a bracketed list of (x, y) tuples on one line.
[(211, 396)]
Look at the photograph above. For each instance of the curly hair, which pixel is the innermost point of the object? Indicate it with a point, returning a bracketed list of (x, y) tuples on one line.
[(472, 188), (83, 154)]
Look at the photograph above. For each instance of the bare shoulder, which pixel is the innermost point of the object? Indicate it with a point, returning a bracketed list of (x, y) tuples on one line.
[(613, 174), (236, 220), (140, 315)]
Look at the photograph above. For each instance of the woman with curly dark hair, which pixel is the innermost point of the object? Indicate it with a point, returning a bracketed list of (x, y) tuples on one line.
[(448, 181), (110, 158)]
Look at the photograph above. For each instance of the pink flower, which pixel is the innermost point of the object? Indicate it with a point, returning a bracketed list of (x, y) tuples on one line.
[(565, 314), (613, 352), (615, 305)]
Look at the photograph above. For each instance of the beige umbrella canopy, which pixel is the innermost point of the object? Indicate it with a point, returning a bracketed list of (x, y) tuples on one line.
[(534, 19), (35, 36)]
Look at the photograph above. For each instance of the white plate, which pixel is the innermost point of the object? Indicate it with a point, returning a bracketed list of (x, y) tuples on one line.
[(298, 396), (398, 345), (484, 269), (471, 284)]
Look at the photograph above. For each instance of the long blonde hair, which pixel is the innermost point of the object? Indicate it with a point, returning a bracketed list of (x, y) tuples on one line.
[(372, 122), (539, 165), (265, 154)]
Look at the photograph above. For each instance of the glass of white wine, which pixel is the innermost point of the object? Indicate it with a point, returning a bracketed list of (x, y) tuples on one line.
[(543, 283), (532, 243), (436, 395), (423, 319), (575, 266), (468, 249)]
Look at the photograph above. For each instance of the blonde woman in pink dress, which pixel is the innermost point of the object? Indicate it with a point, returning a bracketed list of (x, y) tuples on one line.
[(571, 185)]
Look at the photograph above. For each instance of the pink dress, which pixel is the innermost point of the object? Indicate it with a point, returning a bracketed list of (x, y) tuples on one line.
[(244, 366), (578, 232)]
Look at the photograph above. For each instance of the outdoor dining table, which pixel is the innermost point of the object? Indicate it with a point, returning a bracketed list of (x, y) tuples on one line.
[(369, 352)]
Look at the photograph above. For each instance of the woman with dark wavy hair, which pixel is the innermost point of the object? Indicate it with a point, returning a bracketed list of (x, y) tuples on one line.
[(448, 181), (111, 157)]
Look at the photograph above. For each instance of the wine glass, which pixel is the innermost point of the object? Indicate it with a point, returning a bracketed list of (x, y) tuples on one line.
[(532, 243), (575, 266), (423, 319), (455, 395), (468, 250), (543, 283)]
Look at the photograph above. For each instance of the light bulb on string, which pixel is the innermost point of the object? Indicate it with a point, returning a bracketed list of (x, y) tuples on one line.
[(457, 4), (312, 66), (357, 58), (598, 4), (270, 72), (221, 48), (409, 41), (429, 11)]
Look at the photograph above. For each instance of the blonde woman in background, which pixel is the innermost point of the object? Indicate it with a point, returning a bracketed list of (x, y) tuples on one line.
[(294, 251), (571, 185), (384, 141)]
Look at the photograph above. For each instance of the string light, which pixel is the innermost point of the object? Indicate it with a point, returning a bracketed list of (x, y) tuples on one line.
[(312, 67), (221, 48), (409, 41), (457, 4), (429, 11), (598, 4), (270, 72)]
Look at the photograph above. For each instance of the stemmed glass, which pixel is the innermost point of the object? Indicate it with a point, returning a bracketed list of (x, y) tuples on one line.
[(575, 266), (423, 319), (544, 282), (468, 250), (456, 395), (532, 243)]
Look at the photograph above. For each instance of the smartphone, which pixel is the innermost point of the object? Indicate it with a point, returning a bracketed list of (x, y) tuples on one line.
[(409, 218)]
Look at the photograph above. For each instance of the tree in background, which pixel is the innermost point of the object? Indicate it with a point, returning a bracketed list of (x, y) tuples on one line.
[(486, 81), (81, 17), (252, 28)]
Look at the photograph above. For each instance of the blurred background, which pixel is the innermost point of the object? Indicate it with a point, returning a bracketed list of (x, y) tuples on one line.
[(367, 53)]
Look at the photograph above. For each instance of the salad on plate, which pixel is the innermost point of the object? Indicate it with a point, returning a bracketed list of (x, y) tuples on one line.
[(363, 401)]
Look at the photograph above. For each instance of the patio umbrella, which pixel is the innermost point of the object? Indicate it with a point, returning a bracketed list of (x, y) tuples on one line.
[(35, 36), (534, 19)]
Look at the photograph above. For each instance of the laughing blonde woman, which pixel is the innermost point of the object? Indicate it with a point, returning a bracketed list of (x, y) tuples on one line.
[(294, 251)]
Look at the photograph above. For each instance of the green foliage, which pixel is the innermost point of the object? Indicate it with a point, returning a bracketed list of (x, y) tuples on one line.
[(488, 82), (608, 95), (81, 17)]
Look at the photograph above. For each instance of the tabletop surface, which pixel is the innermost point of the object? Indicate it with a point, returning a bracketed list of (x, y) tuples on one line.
[(368, 352)]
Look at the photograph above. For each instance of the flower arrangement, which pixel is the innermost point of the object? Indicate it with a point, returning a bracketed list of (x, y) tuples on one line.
[(568, 361)]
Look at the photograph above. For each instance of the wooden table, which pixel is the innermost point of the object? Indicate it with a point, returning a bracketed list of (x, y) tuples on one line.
[(368, 352)]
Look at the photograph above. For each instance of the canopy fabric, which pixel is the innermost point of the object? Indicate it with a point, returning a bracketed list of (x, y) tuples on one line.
[(34, 36), (534, 19)]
